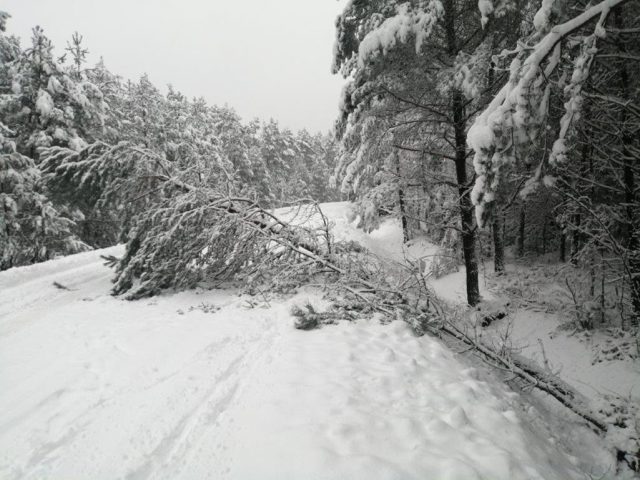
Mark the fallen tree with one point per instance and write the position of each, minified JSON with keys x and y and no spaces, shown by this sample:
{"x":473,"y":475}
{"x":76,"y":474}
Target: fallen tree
{"x":194,"y":234}
{"x":414,"y":302}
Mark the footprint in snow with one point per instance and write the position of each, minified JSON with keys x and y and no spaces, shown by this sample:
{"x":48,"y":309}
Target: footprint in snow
{"x":389,"y":355}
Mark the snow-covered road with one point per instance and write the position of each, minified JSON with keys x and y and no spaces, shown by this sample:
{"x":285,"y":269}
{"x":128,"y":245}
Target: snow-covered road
{"x":202,"y":385}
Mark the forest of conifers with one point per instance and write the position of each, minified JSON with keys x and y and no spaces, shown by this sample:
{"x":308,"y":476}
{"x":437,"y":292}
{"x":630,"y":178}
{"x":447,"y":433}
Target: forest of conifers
{"x":54,"y":107}
{"x":496,"y":129}
{"x":526,"y":113}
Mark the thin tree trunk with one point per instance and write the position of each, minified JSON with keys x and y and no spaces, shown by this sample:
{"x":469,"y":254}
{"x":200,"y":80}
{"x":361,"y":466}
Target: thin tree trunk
{"x":544,"y":236}
{"x":466,"y":207}
{"x":423,"y":182}
{"x":602,"y":289}
{"x":592,"y":278}
{"x":521,"y":228}
{"x":576,"y":238}
{"x":498,"y":241}
{"x":497,"y":226}
{"x":401,"y":201}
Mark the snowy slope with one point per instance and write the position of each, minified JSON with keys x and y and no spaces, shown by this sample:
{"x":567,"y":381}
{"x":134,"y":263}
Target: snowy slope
{"x":535,"y":334}
{"x":202,"y":384}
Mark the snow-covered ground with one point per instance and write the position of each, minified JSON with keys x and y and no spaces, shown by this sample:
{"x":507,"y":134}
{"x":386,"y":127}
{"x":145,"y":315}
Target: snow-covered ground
{"x":538,"y":335}
{"x":215,"y":384}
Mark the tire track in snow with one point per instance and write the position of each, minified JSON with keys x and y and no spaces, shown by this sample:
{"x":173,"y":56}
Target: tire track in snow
{"x":174,"y":449}
{"x":238,"y":356}
{"x":171,"y":444}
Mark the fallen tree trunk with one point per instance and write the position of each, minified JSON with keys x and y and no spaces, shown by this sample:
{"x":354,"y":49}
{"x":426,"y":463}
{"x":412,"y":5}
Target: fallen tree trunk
{"x":531,"y":373}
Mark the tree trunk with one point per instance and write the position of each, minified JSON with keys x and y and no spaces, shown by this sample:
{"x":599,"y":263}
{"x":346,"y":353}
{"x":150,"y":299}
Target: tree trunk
{"x":602,"y":289}
{"x":592,"y":278}
{"x":563,"y":246}
{"x":579,"y":240}
{"x":401,"y":202}
{"x":523,"y":220}
{"x":576,"y":243}
{"x":468,"y":232}
{"x":466,"y":207}
{"x":498,"y":241}
{"x":424,"y":215}
{"x":498,"y":223}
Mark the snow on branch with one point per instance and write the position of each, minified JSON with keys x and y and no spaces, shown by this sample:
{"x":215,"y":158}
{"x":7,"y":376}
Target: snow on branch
{"x":514,"y":116}
{"x":407,"y":23}
{"x":489,"y":8}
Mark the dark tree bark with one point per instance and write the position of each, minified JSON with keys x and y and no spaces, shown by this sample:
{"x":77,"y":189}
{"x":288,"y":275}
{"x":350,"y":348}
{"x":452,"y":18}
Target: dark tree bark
{"x":544,"y":235}
{"x":498,"y":241}
{"x":468,"y":231}
{"x":466,"y":207}
{"x":521,"y":228}
{"x":401,"y":202}
{"x":576,"y":239}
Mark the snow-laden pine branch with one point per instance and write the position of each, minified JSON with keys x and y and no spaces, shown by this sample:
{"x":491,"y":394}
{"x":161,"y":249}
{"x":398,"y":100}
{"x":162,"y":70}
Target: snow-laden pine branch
{"x":516,"y":113}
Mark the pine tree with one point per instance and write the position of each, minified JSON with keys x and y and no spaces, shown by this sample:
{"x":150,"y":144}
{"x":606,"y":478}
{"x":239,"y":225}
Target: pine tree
{"x":31,"y":228}
{"x":425,"y":66}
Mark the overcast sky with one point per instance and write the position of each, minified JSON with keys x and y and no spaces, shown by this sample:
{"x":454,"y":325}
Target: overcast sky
{"x":265,"y":58}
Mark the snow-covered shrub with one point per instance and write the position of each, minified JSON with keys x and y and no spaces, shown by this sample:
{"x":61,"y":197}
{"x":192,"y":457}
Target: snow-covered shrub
{"x":307,"y":318}
{"x":444,"y":262}
{"x":447,"y":259}
{"x":342,"y":309}
{"x":619,"y":345}
{"x":624,"y":414}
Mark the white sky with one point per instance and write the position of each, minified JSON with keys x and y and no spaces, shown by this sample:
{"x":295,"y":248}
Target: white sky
{"x":265,"y":58}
